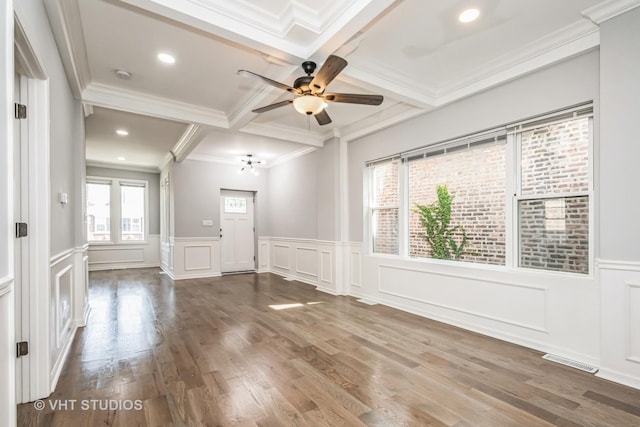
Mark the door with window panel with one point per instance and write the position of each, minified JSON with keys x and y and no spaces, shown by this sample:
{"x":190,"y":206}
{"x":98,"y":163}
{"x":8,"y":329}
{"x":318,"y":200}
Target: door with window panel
{"x":237,"y":232}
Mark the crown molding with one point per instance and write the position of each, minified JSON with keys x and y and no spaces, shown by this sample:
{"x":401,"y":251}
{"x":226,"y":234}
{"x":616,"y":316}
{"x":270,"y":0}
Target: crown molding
{"x":87,"y":109}
{"x":211,"y":159}
{"x":388,"y":82}
{"x":135,"y":168}
{"x":64,"y":18}
{"x":285,"y":133}
{"x":572,"y":40}
{"x":608,"y":9}
{"x":187,"y":142}
{"x":398,"y":113}
{"x":288,"y":157}
{"x":295,"y":33}
{"x":102,"y":95}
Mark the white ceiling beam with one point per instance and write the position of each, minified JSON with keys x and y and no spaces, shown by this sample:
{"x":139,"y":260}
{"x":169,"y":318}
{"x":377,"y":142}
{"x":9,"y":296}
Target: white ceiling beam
{"x":140,"y":103}
{"x":264,"y":95}
{"x":187,"y":142}
{"x":395,"y":87}
{"x":318,"y":33}
{"x":284,"y":133}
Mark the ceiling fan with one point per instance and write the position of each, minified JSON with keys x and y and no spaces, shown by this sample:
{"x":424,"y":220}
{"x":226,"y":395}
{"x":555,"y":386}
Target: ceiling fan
{"x":311,"y":98}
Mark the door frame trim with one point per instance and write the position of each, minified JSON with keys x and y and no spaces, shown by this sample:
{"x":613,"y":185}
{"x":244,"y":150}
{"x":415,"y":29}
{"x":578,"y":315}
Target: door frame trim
{"x":255,"y":229}
{"x":38,"y":146}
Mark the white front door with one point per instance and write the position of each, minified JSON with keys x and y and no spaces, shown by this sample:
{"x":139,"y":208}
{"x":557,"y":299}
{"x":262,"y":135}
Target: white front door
{"x":237,"y":231}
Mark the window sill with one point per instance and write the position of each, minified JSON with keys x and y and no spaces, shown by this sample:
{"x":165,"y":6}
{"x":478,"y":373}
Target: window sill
{"x":123,"y":243}
{"x":485,"y":267}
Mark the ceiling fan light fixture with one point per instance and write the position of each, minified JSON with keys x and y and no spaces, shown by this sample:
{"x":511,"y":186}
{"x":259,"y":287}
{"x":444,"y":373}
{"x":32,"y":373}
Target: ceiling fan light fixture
{"x":309,"y":105}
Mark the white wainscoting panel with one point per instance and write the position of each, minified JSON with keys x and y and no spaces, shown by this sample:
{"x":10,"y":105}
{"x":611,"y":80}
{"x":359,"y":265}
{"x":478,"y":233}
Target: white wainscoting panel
{"x":130,"y":255}
{"x":307,"y":261}
{"x":518,"y":305}
{"x":326,"y":267}
{"x":282,"y":257}
{"x":62,"y":305}
{"x":195,"y":257}
{"x":355,"y":260}
{"x":620,"y":321}
{"x":67,"y":308}
{"x":315,"y":262}
{"x":633,"y":321}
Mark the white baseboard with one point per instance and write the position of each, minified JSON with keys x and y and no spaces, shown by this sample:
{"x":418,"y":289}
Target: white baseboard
{"x":193,"y":276}
{"x":619,"y":377}
{"x":62,"y":358}
{"x":121,"y":266}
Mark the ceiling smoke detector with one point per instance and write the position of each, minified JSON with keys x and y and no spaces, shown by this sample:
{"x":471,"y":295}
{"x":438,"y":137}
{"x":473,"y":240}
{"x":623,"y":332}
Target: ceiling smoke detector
{"x":123,"y":74}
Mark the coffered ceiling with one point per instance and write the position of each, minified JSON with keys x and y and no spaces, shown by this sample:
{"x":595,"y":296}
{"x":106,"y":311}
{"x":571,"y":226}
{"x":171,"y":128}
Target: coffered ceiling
{"x":414,"y":52}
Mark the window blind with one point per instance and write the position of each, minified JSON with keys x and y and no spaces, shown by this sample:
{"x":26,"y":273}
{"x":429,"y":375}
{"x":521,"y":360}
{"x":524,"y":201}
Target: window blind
{"x":457,"y":144}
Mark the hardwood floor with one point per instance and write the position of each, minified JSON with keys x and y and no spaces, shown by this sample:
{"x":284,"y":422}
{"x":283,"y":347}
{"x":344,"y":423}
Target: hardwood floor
{"x":257,"y":350}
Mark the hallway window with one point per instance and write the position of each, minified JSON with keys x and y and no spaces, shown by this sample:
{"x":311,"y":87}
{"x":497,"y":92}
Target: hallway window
{"x":132,"y":198}
{"x":119,"y":205}
{"x":98,"y":211}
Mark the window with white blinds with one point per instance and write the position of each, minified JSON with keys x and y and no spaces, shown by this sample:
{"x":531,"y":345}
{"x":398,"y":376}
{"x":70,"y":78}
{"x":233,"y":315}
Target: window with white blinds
{"x":518,"y":195}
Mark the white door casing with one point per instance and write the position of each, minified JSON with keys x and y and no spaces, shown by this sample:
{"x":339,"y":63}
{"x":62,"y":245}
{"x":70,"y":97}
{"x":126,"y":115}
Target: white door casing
{"x":237,"y":233}
{"x":21,"y":245}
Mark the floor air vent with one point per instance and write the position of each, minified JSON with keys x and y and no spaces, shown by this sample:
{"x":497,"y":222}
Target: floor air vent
{"x":572,"y":363}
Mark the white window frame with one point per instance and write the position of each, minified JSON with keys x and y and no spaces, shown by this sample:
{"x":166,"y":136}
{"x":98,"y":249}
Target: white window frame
{"x":512,"y":197}
{"x":514,"y":139}
{"x":115,"y":207}
{"x":371,"y":207}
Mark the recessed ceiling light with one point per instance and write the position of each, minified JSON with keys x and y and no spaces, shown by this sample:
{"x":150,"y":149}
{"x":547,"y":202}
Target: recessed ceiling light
{"x":122,"y":132}
{"x":469,"y":15}
{"x":122,"y":158}
{"x":123,"y":74}
{"x":166,"y":58}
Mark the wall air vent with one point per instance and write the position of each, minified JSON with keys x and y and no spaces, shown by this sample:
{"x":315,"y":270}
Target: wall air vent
{"x":571,"y":363}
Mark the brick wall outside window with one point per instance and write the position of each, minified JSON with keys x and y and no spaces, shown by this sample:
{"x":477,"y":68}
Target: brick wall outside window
{"x":554,"y":233}
{"x":476,"y":181}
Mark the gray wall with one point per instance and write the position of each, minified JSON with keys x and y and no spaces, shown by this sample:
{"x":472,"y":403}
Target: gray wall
{"x":562,"y":85}
{"x":293,"y":201}
{"x":196,"y":196}
{"x":620,"y":145}
{"x":303,"y":196}
{"x":66,"y":151}
{"x":154,"y":190}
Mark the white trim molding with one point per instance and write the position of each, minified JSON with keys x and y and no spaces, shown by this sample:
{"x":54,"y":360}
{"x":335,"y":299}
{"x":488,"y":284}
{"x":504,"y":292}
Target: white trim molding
{"x":608,"y":9}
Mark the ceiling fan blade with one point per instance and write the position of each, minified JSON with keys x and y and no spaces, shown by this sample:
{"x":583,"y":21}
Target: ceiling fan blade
{"x":272,"y":106}
{"x":323,"y":118}
{"x":353,"y":98}
{"x":330,"y":69}
{"x":269,"y":81}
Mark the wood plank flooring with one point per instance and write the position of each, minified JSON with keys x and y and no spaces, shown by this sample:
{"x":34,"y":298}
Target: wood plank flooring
{"x":255,"y":350}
